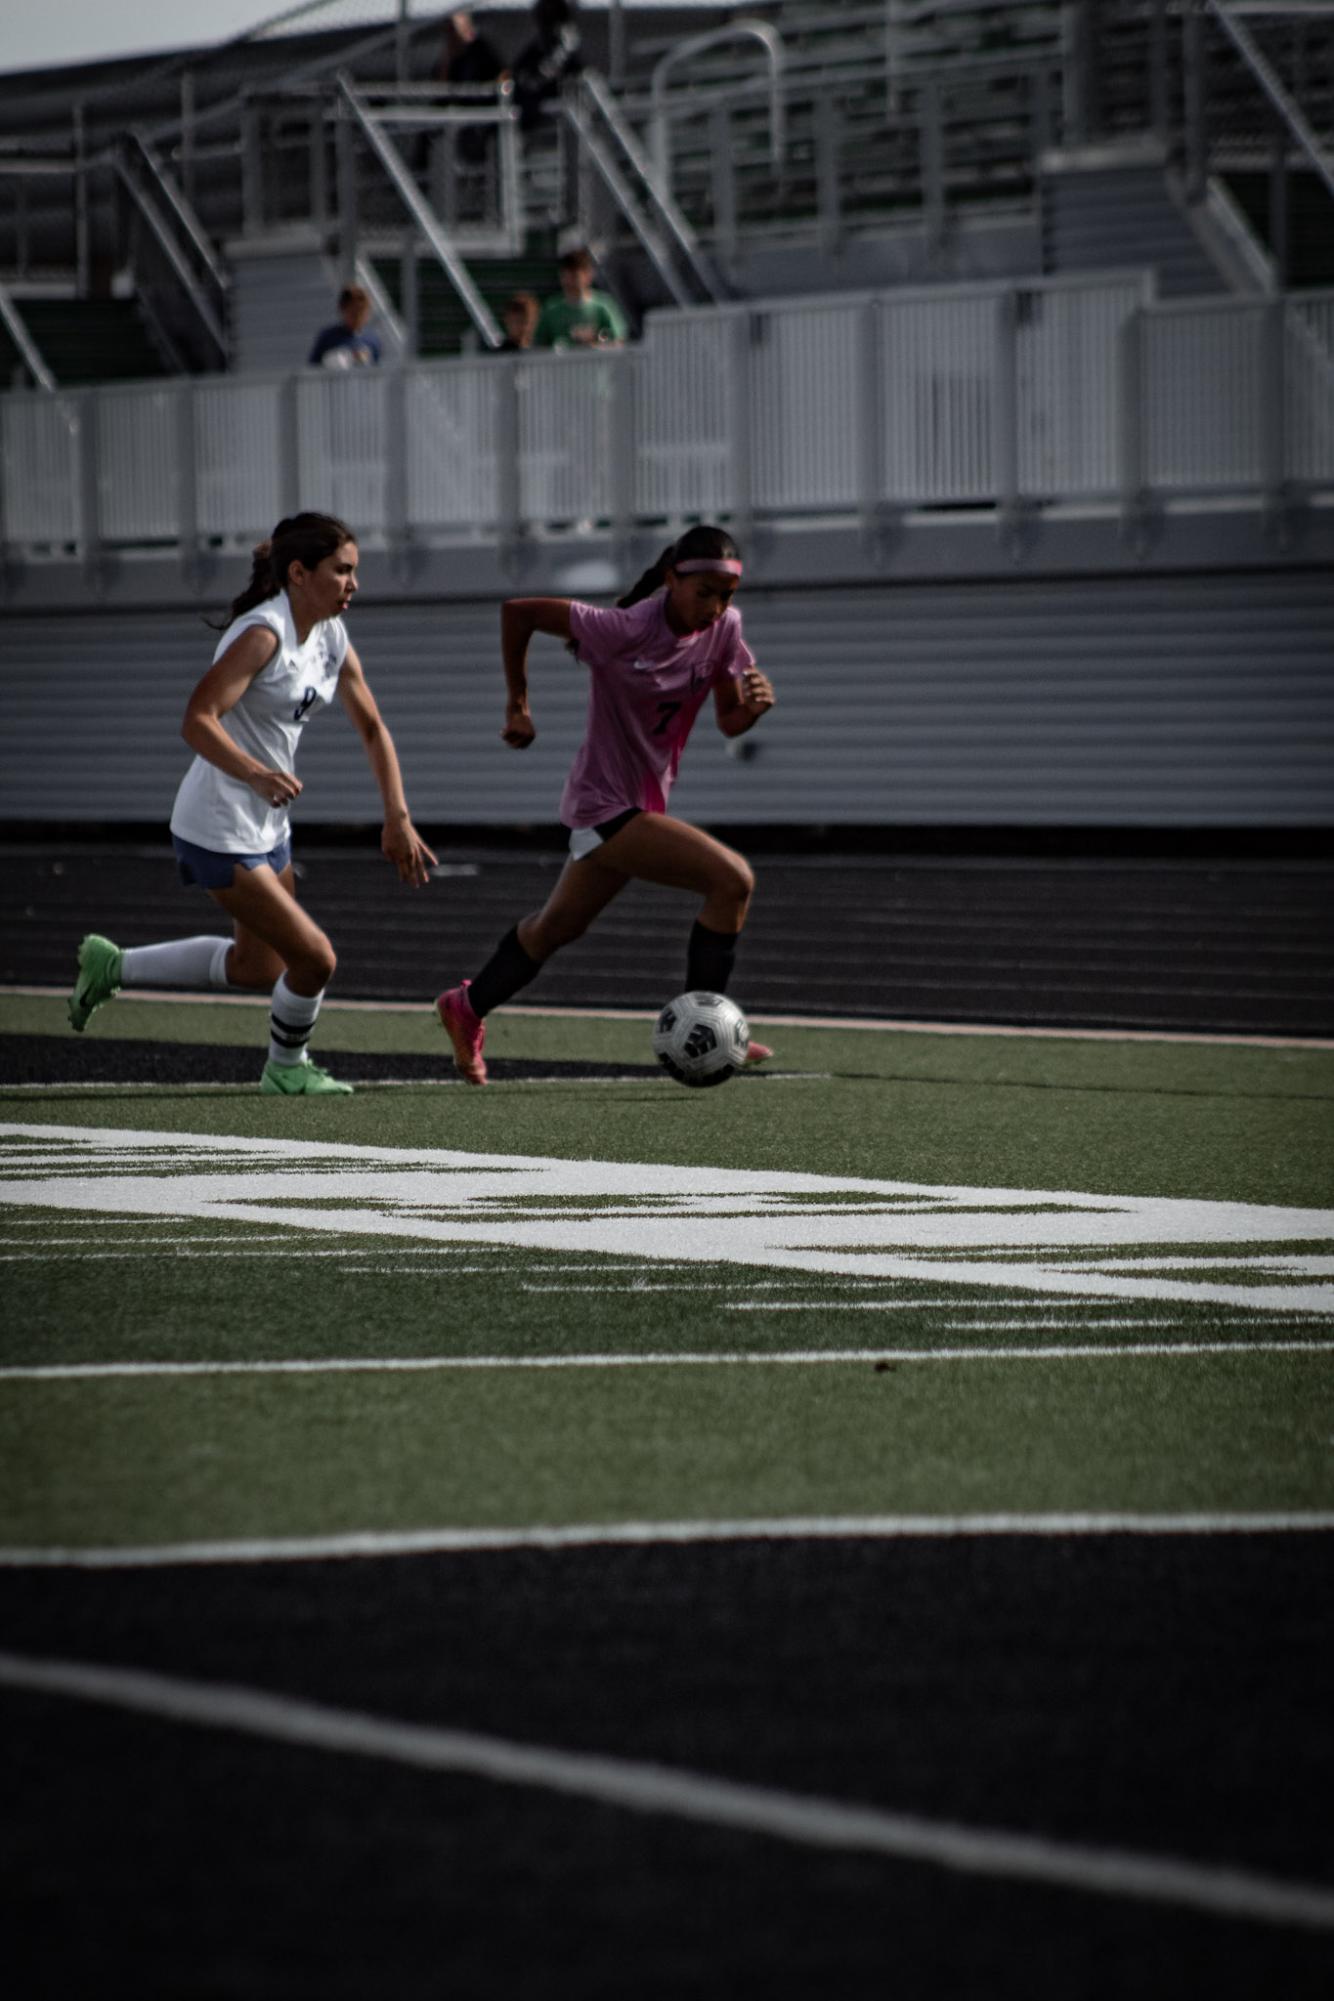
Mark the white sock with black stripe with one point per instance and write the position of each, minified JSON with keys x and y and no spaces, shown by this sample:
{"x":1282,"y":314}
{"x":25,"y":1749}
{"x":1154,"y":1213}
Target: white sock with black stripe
{"x":291,"y":1018}
{"x":181,"y":962}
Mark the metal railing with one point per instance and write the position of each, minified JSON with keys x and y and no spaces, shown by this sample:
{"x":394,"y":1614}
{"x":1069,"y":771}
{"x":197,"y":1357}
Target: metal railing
{"x":1290,"y":131}
{"x":643,"y":200}
{"x":180,"y":240}
{"x":24,"y":344}
{"x":424,"y":221}
{"x":694,"y":46}
{"x":1000,"y":397}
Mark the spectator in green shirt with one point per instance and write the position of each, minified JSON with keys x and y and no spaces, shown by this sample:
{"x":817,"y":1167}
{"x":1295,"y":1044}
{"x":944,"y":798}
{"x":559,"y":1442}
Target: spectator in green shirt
{"x":579,"y":316}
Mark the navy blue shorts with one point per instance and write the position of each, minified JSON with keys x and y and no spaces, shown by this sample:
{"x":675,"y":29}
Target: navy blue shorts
{"x":207,"y":869}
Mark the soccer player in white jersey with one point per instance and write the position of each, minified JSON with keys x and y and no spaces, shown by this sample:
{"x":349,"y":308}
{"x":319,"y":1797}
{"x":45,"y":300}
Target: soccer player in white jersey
{"x":283,"y":656}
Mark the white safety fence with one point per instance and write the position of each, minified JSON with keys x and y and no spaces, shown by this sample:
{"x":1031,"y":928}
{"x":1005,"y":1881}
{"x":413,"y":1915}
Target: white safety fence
{"x":990,"y":395}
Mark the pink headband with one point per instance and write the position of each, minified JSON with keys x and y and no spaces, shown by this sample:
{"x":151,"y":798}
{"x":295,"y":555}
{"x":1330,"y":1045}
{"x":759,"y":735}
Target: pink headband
{"x":723,"y":565}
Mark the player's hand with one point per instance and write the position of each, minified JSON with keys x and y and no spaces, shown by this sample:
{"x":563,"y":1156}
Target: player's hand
{"x":276,"y":788}
{"x":757,"y":693}
{"x":405,"y":848}
{"x":518,"y":732}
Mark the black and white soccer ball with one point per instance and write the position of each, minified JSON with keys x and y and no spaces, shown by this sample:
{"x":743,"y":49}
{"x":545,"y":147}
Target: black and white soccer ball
{"x":701,"y":1039}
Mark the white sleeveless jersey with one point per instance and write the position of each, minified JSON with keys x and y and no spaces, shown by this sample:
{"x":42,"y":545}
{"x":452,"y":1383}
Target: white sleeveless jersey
{"x":216,"y":811}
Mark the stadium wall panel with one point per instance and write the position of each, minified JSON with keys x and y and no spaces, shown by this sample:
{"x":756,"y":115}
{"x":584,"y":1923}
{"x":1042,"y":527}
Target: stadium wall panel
{"x":1174,"y":701}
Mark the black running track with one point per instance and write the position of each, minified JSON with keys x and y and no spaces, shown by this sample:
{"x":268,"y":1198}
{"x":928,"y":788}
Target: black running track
{"x":1156,"y":1696}
{"x":1130,"y":940}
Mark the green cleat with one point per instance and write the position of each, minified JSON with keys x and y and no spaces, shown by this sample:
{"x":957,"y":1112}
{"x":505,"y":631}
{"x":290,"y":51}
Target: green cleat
{"x":98,"y":981}
{"x":301,"y":1080}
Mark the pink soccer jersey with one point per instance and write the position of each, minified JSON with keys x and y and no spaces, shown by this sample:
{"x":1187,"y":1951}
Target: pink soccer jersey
{"x":646,"y":686}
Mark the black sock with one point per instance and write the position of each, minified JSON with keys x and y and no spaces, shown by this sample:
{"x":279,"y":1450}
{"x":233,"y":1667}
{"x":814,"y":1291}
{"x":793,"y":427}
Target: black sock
{"x":710,"y":959}
{"x":508,"y":969}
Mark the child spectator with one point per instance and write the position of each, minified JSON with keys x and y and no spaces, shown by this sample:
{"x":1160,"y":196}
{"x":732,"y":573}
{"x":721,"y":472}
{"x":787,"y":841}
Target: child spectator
{"x":578,"y":316}
{"x":346,"y":344}
{"x":519,"y":318}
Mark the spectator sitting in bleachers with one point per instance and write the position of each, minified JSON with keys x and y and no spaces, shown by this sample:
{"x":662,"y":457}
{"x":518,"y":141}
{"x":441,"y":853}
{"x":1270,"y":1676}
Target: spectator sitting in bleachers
{"x":519,"y":318}
{"x":347,"y":344}
{"x":578,"y":316}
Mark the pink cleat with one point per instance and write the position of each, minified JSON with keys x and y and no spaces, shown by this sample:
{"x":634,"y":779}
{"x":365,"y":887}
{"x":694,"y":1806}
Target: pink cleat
{"x":758,"y":1052}
{"x":466,"y":1030}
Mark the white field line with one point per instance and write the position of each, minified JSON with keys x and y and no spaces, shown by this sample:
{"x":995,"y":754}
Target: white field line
{"x":895,"y":1305}
{"x":82,"y":1087}
{"x":276,"y":1247}
{"x":638,"y":1787}
{"x":358,"y":1543}
{"x":779,"y":1358}
{"x":647,"y":1016}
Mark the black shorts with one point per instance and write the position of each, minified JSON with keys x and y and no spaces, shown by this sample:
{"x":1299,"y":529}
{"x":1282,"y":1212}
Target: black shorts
{"x":587,"y":840}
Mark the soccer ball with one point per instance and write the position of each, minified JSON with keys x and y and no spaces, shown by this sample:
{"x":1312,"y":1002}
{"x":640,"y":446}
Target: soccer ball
{"x":701,"y":1039}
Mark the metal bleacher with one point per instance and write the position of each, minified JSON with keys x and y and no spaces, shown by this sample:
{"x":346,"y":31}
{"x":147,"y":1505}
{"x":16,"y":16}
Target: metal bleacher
{"x":156,"y":210}
{"x":975,"y":322}
{"x":798,"y":130}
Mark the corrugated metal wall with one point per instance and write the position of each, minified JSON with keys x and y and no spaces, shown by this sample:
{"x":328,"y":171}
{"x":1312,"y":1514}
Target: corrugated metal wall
{"x":1122,"y":701}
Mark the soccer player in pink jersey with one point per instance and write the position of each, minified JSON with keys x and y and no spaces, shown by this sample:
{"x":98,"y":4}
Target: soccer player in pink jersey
{"x":673,"y":640}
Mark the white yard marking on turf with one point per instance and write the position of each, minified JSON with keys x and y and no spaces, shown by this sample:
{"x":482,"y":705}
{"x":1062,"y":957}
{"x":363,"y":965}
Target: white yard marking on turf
{"x":639,"y":1787}
{"x":912,"y":1232}
{"x":778,"y":1358}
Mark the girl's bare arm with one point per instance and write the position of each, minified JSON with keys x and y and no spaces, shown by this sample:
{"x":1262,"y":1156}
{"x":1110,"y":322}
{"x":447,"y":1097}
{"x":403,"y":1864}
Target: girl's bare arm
{"x":520,"y":618}
{"x":740,"y":704}
{"x":400,"y":841}
{"x":220,"y":690}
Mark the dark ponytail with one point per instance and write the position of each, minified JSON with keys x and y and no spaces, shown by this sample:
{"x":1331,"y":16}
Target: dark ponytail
{"x":696,"y":545}
{"x":300,"y":538}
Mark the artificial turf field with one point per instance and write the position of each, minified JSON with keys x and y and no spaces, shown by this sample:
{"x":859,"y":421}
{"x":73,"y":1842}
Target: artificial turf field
{"x":864,"y":1529}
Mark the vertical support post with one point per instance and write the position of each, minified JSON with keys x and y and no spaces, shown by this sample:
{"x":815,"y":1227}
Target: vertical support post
{"x":828,"y":206}
{"x":289,"y":445}
{"x":871,"y":433}
{"x":21,"y":230}
{"x":187,"y":478}
{"x":724,"y":183}
{"x":1273,"y":399}
{"x":1005,"y":411}
{"x":319,"y":170}
{"x":1195,"y":102}
{"x":581,"y":167}
{"x":660,"y":150}
{"x":743,"y":331}
{"x":616,"y":43}
{"x":1077,"y":37}
{"x":410,"y":295}
{"x":624,"y":456}
{"x":187,"y":146}
{"x":509,"y":486}
{"x":1130,"y":423}
{"x":252,"y":169}
{"x":88,"y":410}
{"x":1041,"y":135}
{"x":397,"y":525}
{"x":6,"y":508}
{"x":1279,"y":233}
{"x":893,"y":95}
{"x":511,"y":184}
{"x":82,"y":260}
{"x":402,"y":42}
{"x":933,"y":163}
{"x":1158,"y":72}
{"x":347,"y":193}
